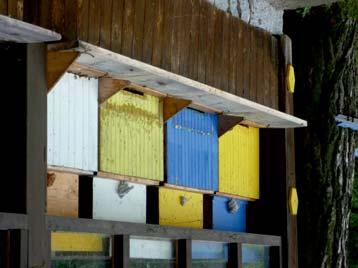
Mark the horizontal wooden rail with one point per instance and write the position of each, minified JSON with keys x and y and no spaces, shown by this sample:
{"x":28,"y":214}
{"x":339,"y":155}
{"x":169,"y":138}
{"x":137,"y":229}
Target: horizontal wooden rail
{"x":13,"y":221}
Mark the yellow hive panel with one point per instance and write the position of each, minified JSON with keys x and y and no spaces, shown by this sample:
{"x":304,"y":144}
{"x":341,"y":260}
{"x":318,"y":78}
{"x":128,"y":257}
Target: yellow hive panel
{"x":131,"y":135}
{"x":76,"y":242}
{"x":239,"y":162}
{"x":173,"y":213}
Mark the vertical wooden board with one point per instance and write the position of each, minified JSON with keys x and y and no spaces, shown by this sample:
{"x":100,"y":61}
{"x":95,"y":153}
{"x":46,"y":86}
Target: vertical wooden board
{"x":232,"y":85}
{"x":260,"y":82}
{"x":138,"y":38}
{"x":275,"y":74}
{"x":218,"y":49}
{"x":173,"y":213}
{"x":241,"y":54}
{"x":3,"y":7}
{"x":117,"y":25}
{"x":149,"y":21}
{"x":209,"y":71}
{"x":15,"y":9}
{"x":83,"y":19}
{"x":168,"y":23}
{"x":127,"y":33}
{"x":227,"y":31}
{"x":57,"y":13}
{"x":253,"y":65}
{"x":203,"y":41}
{"x":94,"y":22}
{"x":239,"y":162}
{"x":184,"y":37}
{"x":158,"y":34}
{"x":131,"y":135}
{"x":184,"y":253}
{"x":175,"y":41}
{"x":121,"y":251}
{"x":112,"y":202}
{"x":267,"y":69}
{"x":106,"y":24}
{"x":71,"y":15}
{"x":76,"y":242}
{"x":62,"y":195}
{"x":194,"y":40}
{"x":246,"y":38}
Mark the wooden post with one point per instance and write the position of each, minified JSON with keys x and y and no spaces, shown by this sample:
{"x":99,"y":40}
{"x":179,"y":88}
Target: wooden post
{"x":36,"y":160}
{"x":183,"y":253}
{"x":235,"y":255}
{"x":120,"y":251}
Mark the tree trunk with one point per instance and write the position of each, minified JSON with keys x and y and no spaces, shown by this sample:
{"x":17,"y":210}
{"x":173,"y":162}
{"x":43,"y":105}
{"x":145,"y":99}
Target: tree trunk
{"x":324,"y":43}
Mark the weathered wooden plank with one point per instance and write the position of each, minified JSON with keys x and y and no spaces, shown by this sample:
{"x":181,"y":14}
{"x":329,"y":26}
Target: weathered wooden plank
{"x":194,"y":40}
{"x":71,"y":14}
{"x":184,"y":37}
{"x":149,"y":21}
{"x":57,"y":14}
{"x":232,"y":64}
{"x":252,"y":65}
{"x":246,"y":63}
{"x":138,"y":39}
{"x":83,"y":19}
{"x":218,"y":50}
{"x":203,"y":45}
{"x":210,"y":50}
{"x":260,"y":82}
{"x":94,"y":22}
{"x":109,"y":227}
{"x":275,"y":73}
{"x":175,"y":41}
{"x":168,"y":22}
{"x":106,"y":24}
{"x":128,"y":29}
{"x":267,"y":69}
{"x":158,"y":34}
{"x":3,"y":7}
{"x":183,"y":253}
{"x":117,"y":25}
{"x":241,"y":53}
{"x":15,"y":9}
{"x":226,"y":30}
{"x":13,"y":221}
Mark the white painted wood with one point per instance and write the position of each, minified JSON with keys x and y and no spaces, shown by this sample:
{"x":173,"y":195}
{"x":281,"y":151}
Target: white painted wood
{"x":151,"y":248}
{"x":178,"y":86}
{"x":107,"y":204}
{"x":14,"y":30}
{"x":72,"y":123}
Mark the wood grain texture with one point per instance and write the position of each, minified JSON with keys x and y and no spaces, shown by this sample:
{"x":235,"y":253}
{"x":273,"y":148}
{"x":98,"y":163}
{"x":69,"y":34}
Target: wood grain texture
{"x":158,"y":33}
{"x":128,"y":23}
{"x":62,"y":195}
{"x":94,"y":22}
{"x":117,"y":23}
{"x":83,"y":19}
{"x":106,"y":24}
{"x":138,"y":39}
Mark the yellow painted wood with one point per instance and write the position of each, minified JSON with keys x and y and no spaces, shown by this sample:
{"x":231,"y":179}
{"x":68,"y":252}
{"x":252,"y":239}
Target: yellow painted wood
{"x":131,"y":135}
{"x":173,"y":213}
{"x":290,"y":78}
{"x":76,"y":242}
{"x":239,"y":162}
{"x":293,"y":201}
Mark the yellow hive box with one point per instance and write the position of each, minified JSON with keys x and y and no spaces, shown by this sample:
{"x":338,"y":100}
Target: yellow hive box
{"x":76,"y":242}
{"x":239,"y":162}
{"x":180,"y":208}
{"x":131,"y":135}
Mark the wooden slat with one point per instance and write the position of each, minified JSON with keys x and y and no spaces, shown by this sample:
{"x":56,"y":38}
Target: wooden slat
{"x":57,"y":13}
{"x":86,"y":71}
{"x":241,"y":54}
{"x":168,"y":22}
{"x":194,"y":40}
{"x":94,"y":21}
{"x":275,"y":73}
{"x":3,"y":7}
{"x":13,"y":221}
{"x":128,"y":29}
{"x":203,"y":44}
{"x":183,"y":253}
{"x":232,"y":68}
{"x":210,"y":49}
{"x":108,"y":87}
{"x":184,"y":37}
{"x":149,"y":19}
{"x":246,"y":38}
{"x":175,"y":40}
{"x":16,"y":8}
{"x":57,"y":64}
{"x":106,"y":24}
{"x":187,"y":189}
{"x":260,"y":83}
{"x":158,"y":34}
{"x":117,"y":25}
{"x":266,"y":69}
{"x":138,"y":39}
{"x":172,"y":106}
{"x":83,"y":19}
{"x":252,"y":66}
{"x":218,"y":50}
{"x":227,"y":31}
{"x":126,"y":178}
{"x":71,"y":14}
{"x":110,"y":227}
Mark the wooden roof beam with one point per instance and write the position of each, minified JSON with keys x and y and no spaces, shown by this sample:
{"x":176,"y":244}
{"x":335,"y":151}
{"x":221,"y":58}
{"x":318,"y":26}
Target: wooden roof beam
{"x":172,"y":106}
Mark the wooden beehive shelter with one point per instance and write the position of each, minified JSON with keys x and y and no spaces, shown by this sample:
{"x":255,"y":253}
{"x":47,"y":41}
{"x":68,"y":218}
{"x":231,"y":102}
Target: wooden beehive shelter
{"x":130,"y":132}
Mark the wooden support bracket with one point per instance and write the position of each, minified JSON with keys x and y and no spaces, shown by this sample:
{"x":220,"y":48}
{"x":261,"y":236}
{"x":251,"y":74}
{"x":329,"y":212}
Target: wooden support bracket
{"x":109,"y":86}
{"x":227,"y":122}
{"x":57,"y":64}
{"x":172,"y":106}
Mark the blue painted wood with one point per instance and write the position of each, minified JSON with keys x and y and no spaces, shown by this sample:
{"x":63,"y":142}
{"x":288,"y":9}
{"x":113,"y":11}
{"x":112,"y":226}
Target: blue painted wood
{"x":226,"y":221}
{"x":192,"y":150}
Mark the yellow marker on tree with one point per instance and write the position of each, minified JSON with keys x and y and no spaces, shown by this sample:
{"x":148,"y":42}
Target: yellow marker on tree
{"x":290,"y":78}
{"x":293,"y":201}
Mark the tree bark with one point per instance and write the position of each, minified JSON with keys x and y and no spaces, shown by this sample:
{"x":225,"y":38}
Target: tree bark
{"x":324,"y":43}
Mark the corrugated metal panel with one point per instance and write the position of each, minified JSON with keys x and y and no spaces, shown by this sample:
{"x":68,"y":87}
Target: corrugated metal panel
{"x":108,"y":205}
{"x":131,"y":135}
{"x":173,"y":213}
{"x":76,"y":242}
{"x":239,"y":162}
{"x":192,"y":150}
{"x":226,"y":221}
{"x":72,"y":123}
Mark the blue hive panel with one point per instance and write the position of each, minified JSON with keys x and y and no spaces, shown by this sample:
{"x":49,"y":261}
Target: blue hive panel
{"x":192,"y":150}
